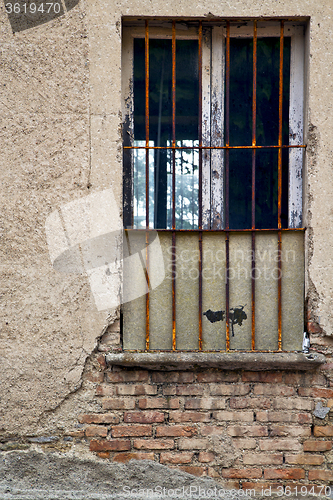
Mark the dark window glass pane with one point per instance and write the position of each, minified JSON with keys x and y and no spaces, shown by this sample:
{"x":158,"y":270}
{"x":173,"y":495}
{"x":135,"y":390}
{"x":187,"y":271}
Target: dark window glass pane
{"x":267,"y":132}
{"x":160,"y":133}
{"x":240,"y":125}
{"x":268,"y":64}
{"x":240,"y":193}
{"x":187,"y":90}
{"x":266,"y":189}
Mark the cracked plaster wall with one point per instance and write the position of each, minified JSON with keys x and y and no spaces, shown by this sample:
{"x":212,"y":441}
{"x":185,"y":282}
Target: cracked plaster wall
{"x":60,"y":130}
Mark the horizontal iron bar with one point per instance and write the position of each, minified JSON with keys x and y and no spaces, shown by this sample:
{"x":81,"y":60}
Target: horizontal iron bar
{"x":216,"y":147}
{"x":204,"y":351}
{"x":216,"y":230}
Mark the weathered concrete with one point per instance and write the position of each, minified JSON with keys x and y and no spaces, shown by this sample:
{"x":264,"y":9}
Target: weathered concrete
{"x":35,"y":476}
{"x":254,"y":361}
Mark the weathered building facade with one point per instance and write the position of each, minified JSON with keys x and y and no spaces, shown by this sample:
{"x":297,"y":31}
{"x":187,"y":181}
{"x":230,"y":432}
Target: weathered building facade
{"x":247,"y":419}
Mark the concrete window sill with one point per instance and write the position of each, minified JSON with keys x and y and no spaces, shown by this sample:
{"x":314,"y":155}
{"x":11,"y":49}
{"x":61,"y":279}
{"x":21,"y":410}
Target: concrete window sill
{"x":254,"y":361}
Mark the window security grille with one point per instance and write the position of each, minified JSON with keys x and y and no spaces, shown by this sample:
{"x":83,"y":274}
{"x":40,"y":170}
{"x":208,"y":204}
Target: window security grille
{"x":213,"y":152}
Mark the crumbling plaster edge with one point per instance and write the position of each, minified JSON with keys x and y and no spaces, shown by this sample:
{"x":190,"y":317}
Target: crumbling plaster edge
{"x":254,"y":361}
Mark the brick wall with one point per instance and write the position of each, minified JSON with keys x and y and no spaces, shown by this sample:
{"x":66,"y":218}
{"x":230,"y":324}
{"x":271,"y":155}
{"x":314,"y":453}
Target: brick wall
{"x":245,"y":429}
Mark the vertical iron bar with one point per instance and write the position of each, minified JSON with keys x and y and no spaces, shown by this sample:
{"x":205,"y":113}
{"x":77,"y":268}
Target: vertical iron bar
{"x":227,"y":135}
{"x":253,"y":207}
{"x":280,"y":189}
{"x":173,"y":185}
{"x":147,"y":172}
{"x":200,"y":182}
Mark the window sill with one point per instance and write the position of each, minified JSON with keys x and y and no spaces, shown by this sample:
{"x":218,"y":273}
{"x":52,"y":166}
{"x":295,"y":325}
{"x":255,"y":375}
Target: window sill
{"x":254,"y":361}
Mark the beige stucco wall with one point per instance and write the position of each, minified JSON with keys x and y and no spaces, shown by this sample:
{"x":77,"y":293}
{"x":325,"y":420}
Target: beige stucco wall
{"x":61,"y":141}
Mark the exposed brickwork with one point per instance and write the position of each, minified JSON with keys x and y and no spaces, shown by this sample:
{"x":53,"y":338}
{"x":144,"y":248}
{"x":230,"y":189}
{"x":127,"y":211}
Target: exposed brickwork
{"x":262,"y":421}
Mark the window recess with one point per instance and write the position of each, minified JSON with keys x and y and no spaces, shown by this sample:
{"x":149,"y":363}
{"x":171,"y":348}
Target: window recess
{"x":213,"y":154}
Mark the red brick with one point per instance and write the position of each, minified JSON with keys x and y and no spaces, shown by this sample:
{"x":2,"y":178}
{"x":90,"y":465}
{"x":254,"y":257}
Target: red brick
{"x":263,"y":459}
{"x":259,"y":486}
{"x":96,"y":430}
{"x":118,"y":404}
{"x":273,"y":390}
{"x":206,"y":457}
{"x":96,"y":377}
{"x":313,"y":327}
{"x":125,"y":457}
{"x":304,"y":418}
{"x":135,"y":389}
{"x":114,"y":445}
{"x":158,"y":403}
{"x":315,"y":392}
{"x":266,"y":377}
{"x":175,"y":431}
{"x":229,"y":484}
{"x":189,"y":390}
{"x":222,"y":376}
{"x":304,"y":459}
{"x":168,"y":457}
{"x":290,"y":431}
{"x":279,"y":444}
{"x":192,"y":444}
{"x":247,"y":431}
{"x":154,"y":444}
{"x":127,"y":376}
{"x":104,"y":454}
{"x":229,"y":389}
{"x":283,"y":416}
{"x":234,"y":416}
{"x":320,"y":475}
{"x":189,"y":416}
{"x":292,"y":404}
{"x":214,"y":472}
{"x":317,"y":445}
{"x":245,"y":444}
{"x":323,"y":430}
{"x":305,"y":379}
{"x":208,"y":430}
{"x":172,"y":377}
{"x":143,"y":417}
{"x":205,"y":404}
{"x":131,"y":430}
{"x":237,"y":403}
{"x":195,"y":470}
{"x":99,"y":418}
{"x":327,"y":366}
{"x":242,"y":473}
{"x":284,"y":474}
{"x":169,"y":390}
{"x":101,"y":360}
{"x":104,"y":390}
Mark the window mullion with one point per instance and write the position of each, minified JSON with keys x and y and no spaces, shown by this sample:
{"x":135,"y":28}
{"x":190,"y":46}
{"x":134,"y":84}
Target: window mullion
{"x":296,"y":130}
{"x":206,"y":130}
{"x":217,"y":129}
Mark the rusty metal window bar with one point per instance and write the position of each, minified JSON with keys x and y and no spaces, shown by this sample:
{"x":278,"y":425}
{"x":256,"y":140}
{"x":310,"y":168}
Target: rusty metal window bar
{"x":212,"y":213}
